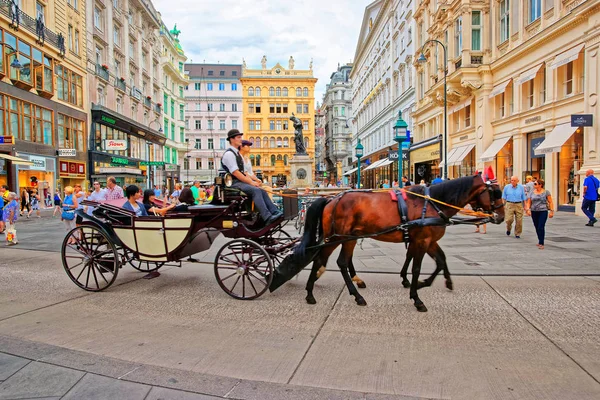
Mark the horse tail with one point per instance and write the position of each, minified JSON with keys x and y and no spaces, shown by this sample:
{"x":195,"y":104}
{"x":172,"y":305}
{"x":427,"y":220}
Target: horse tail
{"x":312,"y":226}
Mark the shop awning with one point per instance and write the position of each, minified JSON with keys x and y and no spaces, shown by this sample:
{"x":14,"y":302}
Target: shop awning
{"x":462,"y":105}
{"x":375,"y":164}
{"x":498,"y":89}
{"x":554,"y":141}
{"x":353,"y":170}
{"x":16,"y":160}
{"x":459,"y":154}
{"x":387,"y":162}
{"x":450,"y":156}
{"x":529,"y":74}
{"x":567,"y":56}
{"x":490,"y":153}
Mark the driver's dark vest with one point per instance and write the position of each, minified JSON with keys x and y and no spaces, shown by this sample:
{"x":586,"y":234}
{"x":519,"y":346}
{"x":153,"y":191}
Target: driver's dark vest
{"x":238,"y":159}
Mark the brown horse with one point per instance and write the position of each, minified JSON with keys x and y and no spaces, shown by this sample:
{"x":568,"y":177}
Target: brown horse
{"x":357,"y":214}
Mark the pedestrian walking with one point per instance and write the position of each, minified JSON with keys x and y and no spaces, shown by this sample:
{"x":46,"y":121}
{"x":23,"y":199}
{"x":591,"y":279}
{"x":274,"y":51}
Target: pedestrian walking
{"x":35,"y":204}
{"x":590,"y":196}
{"x":98,"y":194}
{"x":69,"y":206}
{"x":174,"y":197}
{"x":113,"y":191}
{"x":9,"y":218}
{"x":57,"y":204}
{"x":540,"y":207}
{"x":528,"y":185}
{"x":406,"y":181}
{"x":25,"y":202}
{"x":4,"y":193}
{"x":514,"y":197}
{"x":438,"y":179}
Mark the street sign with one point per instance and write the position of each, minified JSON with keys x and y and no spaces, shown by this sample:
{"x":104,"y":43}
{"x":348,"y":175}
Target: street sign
{"x":7,"y":140}
{"x":578,"y":120}
{"x":67,"y":152}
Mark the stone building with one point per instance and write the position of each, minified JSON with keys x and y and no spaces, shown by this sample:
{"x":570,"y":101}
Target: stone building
{"x":213,"y":100}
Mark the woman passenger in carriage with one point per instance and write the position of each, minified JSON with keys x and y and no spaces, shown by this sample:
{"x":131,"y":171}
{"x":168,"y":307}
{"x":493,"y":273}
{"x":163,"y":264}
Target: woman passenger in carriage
{"x":149,"y":196}
{"x":133,"y":194}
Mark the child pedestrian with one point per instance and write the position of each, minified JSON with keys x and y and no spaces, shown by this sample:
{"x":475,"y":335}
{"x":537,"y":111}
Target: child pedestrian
{"x":9,"y":217}
{"x":35,"y":204}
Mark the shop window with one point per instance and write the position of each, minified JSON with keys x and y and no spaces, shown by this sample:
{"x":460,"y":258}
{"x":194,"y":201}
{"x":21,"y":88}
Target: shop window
{"x":70,"y":133}
{"x":69,"y":86}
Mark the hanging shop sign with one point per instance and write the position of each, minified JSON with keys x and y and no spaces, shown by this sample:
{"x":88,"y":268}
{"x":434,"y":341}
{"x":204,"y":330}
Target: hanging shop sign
{"x":153,"y":163}
{"x":579,"y":120}
{"x":67,"y":152}
{"x":7,"y":140}
{"x":113,"y":144}
{"x":71,"y":169}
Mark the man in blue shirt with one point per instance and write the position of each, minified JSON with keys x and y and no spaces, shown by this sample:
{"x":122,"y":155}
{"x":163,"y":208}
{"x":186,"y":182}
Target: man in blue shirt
{"x":514,"y":196}
{"x":437,"y":180}
{"x":590,"y":196}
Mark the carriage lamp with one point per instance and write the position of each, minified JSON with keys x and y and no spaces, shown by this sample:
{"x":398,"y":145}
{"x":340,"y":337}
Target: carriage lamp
{"x":359,"y":153}
{"x":400,"y":130}
{"x":228,"y":180}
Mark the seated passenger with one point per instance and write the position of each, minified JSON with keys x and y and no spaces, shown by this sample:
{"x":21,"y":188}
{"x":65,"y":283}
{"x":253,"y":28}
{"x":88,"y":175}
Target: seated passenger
{"x":149,"y":197}
{"x":133,"y":194}
{"x":233,"y":163}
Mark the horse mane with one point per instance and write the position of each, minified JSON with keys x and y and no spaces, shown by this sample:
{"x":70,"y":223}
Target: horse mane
{"x":454,"y":191}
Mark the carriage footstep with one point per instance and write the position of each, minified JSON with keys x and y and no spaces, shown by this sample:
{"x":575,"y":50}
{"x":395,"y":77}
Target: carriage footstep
{"x":152,"y":275}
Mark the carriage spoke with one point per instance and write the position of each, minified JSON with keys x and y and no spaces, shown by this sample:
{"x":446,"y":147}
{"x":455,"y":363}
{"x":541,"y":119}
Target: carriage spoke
{"x":253,"y":288}
{"x":257,"y":277}
{"x":100,"y":272}
{"x":229,"y":276}
{"x":77,"y":265}
{"x":80,"y":272}
{"x":87,"y":279}
{"x":243,"y":285}
{"x":95,"y":277}
{"x":235,"y":284}
{"x":226,"y":267}
{"x":225,"y":258}
{"x":77,"y":250}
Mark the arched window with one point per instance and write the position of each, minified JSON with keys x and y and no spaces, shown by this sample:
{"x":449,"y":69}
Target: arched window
{"x":278,"y":91}
{"x":286,"y":142}
{"x":273,"y":160}
{"x":271,"y":91}
{"x":306,"y":143}
{"x":298,"y":92}
{"x":279,"y":142}
{"x":305,"y":92}
{"x":257,"y":91}
{"x":252,"y":160}
{"x":250,"y":91}
{"x":285,"y":91}
{"x":273,"y":142}
{"x":258,"y":160}
{"x":285,"y":160}
{"x":279,"y":157}
{"x":251,"y":140}
{"x":266,"y":143}
{"x":257,"y":143}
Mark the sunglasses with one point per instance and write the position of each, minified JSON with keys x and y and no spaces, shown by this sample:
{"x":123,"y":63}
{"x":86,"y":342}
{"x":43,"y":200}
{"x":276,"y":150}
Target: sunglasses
{"x":535,"y":184}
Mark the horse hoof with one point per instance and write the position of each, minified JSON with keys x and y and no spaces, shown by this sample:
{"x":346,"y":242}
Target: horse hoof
{"x":449,"y":285}
{"x":406,"y":284}
{"x":422,"y":284}
{"x":361,"y":285}
{"x":361,"y":302}
{"x":421,"y":307}
{"x":311,"y":300}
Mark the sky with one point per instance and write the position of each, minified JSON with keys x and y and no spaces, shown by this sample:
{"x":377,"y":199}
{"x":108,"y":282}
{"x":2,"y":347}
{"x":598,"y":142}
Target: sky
{"x":226,"y":31}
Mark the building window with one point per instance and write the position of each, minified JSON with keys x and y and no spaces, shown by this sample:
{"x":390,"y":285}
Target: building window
{"x":209,"y":86}
{"x":97,"y":18}
{"x":116,"y":4}
{"x":285,"y":92}
{"x":222,"y":107}
{"x":305,"y":92}
{"x":251,"y":125}
{"x":278,"y":125}
{"x":211,"y":163}
{"x":272,"y":125}
{"x":299,"y":108}
{"x":198,"y":108}
{"x":251,"y":108}
{"x":250,"y":91}
{"x":278,"y":92}
{"x":198,"y":163}
{"x":271,"y":91}
{"x":26,"y":121}
{"x":530,"y":88}
{"x":120,"y":105}
{"x":210,"y":106}
{"x":467,"y":116}
{"x":234,"y":107}
{"x":234,"y":124}
{"x":476,"y":30}
{"x":221,"y":73}
{"x":69,"y":86}
{"x":211,"y":145}
{"x":211,"y":73}
{"x":70,"y":38}
{"x":198,"y":124}
{"x":197,"y":86}
{"x":221,"y":86}
{"x":181,"y":112}
{"x":257,"y":107}
{"x":222,"y":143}
{"x":70,"y":133}
{"x":234,"y":87}
{"x":186,"y":163}
{"x":117,"y":36}
{"x":132,"y":50}
{"x":198,"y":144}
{"x":306,"y":109}
{"x":298,"y":92}
{"x":222,"y":124}
{"x":502,"y":106}
{"x":569,"y":79}
{"x":210,"y":125}
{"x":535,"y":10}
{"x":233,"y":73}
{"x":458,"y":37}
{"x":257,"y":91}
{"x":305,"y":125}
{"x":504,"y":21}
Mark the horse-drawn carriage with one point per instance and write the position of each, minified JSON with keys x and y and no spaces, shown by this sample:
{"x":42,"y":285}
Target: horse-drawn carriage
{"x":94,"y":251}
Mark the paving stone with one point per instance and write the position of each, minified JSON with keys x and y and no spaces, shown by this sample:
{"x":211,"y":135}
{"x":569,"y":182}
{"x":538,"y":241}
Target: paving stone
{"x":10,"y":364}
{"x":96,"y":387}
{"x":248,"y":390}
{"x":158,"y":393}
{"x":39,"y":380}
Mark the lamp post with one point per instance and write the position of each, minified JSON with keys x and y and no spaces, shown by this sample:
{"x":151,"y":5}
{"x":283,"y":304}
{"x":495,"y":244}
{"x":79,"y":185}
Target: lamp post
{"x":160,"y":130}
{"x":400,"y":130}
{"x":422,"y":60}
{"x":359,"y":153}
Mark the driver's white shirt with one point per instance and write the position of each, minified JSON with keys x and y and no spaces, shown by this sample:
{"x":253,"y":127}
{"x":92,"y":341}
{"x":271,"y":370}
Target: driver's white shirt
{"x":229,"y":160}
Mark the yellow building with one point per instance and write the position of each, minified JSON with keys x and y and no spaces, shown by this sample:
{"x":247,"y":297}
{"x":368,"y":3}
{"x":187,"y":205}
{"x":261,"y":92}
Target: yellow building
{"x":270,"y":97}
{"x":43,"y":105}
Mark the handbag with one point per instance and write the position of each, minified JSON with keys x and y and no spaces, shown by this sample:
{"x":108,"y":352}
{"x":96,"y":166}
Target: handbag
{"x":68,"y":215}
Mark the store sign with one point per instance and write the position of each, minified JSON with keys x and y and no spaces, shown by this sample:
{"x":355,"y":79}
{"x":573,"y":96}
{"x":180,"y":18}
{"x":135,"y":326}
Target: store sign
{"x":118,"y":145}
{"x":535,"y":142}
{"x":39,"y":163}
{"x":152,"y":163}
{"x":427,"y":153}
{"x":578,"y":120}
{"x":67,"y":152}
{"x":393,"y":155}
{"x":120,"y":170}
{"x":119,"y":161}
{"x":170,"y":167}
{"x":71,"y":168}
{"x":108,"y":120}
{"x":7,"y":140}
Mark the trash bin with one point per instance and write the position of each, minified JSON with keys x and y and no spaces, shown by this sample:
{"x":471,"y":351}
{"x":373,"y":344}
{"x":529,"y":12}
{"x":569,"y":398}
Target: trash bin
{"x":290,"y":204}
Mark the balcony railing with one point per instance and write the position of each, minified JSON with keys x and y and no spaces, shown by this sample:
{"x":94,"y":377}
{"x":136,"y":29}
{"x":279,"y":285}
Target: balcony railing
{"x":148,"y":102}
{"x":102,"y":72}
{"x":119,"y":84}
{"x":36,"y":26}
{"x":157,"y":108}
{"x":476,"y":60}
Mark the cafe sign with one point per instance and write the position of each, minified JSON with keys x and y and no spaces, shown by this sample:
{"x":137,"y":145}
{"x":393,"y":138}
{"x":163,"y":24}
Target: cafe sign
{"x":115,"y":145}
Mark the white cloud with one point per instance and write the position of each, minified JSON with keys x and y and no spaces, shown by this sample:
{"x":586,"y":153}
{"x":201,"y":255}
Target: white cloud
{"x":226,"y":31}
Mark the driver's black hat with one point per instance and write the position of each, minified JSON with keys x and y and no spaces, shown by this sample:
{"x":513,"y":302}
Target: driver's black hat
{"x":233,"y":133}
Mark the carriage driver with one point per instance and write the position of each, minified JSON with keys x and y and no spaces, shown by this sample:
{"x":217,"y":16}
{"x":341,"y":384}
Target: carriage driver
{"x":233,"y":163}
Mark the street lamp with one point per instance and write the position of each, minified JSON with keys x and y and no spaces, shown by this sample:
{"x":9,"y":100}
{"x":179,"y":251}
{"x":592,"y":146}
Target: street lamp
{"x":400,"y":131}
{"x":422,"y":60}
{"x":359,"y":153}
{"x":160,"y":130}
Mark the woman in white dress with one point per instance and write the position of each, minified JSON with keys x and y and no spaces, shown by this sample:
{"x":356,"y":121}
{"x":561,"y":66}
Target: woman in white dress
{"x":245,"y":153}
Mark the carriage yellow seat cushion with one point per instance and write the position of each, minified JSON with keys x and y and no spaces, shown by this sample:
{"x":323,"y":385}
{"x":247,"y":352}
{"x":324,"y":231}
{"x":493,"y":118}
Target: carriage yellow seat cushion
{"x":155,"y":237}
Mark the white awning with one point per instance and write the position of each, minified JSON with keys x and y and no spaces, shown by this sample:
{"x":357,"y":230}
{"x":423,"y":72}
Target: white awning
{"x":459,"y":155}
{"x":567,"y":56}
{"x":499,"y":89}
{"x":353,"y":170}
{"x":450,"y":156}
{"x":528,"y":75}
{"x":387,"y":162}
{"x":494,"y":149}
{"x":375,"y":164}
{"x":462,"y":105}
{"x":554,"y":141}
{"x":16,"y":160}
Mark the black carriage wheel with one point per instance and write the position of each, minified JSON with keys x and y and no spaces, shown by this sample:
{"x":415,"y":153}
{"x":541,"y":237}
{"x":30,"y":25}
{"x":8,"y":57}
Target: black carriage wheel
{"x":243,"y":269}
{"x":89,"y":258}
{"x":281,"y":237}
{"x":145,"y":266}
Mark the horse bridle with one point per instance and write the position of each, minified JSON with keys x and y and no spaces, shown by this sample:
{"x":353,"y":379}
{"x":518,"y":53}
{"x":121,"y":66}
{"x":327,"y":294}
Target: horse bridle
{"x":494,"y":194}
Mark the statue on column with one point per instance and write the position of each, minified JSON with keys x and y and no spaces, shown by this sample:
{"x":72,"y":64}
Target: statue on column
{"x":298,"y":137}
{"x":264,"y":62}
{"x":243,"y":64}
{"x":291,"y":63}
{"x":310,"y":65}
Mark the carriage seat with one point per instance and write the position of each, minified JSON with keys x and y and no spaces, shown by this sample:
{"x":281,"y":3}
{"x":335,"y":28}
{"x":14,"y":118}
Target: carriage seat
{"x":207,"y":207}
{"x":231,"y":191}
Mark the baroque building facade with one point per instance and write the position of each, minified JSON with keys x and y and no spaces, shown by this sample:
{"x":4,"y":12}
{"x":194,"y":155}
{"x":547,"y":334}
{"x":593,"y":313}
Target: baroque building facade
{"x":270,"y":97}
{"x":516,"y":76}
{"x":213,"y":100}
{"x":382,"y":84}
{"x":43,"y":101}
